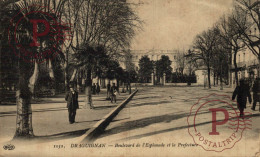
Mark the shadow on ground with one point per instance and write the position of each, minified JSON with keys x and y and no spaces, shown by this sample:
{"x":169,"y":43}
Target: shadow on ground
{"x":172,"y":129}
{"x":61,"y":136}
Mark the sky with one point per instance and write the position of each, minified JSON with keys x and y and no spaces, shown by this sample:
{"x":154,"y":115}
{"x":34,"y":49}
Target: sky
{"x":173,"y":24}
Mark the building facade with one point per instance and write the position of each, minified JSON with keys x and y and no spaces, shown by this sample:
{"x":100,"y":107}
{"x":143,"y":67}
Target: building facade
{"x":247,"y":65}
{"x":247,"y":62}
{"x":154,"y":55}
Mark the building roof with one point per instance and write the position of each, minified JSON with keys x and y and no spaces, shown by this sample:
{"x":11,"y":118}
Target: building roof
{"x":153,"y":52}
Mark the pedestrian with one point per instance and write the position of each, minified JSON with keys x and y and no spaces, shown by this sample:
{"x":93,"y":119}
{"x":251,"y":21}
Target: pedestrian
{"x":242,"y":92}
{"x":94,"y":89}
{"x":256,"y":93}
{"x":108,"y":90}
{"x":98,"y":89}
{"x":72,"y":103}
{"x":113,"y":93}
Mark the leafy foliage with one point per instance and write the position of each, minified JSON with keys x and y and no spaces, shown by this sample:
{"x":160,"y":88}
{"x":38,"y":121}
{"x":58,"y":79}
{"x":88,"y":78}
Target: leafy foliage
{"x":163,"y":66}
{"x":145,"y":69}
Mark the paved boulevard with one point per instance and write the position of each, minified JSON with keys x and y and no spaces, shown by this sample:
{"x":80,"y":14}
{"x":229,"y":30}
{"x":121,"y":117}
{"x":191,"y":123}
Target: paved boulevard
{"x":159,"y":115}
{"x":155,"y":116}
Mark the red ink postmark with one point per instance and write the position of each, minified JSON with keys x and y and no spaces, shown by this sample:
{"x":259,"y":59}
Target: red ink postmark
{"x":215,"y":123}
{"x":36,"y":34}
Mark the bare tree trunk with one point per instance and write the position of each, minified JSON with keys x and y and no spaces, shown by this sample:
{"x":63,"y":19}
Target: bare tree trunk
{"x":1,"y":83}
{"x":214,"y":78}
{"x":51,"y":74}
{"x":217,"y":79}
{"x":88,"y":100}
{"x":34,"y":78}
{"x":78,"y":83}
{"x":235,"y":64}
{"x":66,"y":83}
{"x":258,"y":70}
{"x":73,"y":75}
{"x":23,"y":101}
{"x":130,"y":90}
{"x":209,"y":75}
{"x":83,"y":81}
{"x":123,"y":89}
{"x":24,"y":116}
{"x":221,"y":78}
{"x":117,"y":84}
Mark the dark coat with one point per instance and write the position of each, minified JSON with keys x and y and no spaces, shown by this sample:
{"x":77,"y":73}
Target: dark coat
{"x":98,"y":88}
{"x":256,"y":90}
{"x":108,"y":87}
{"x":242,"y":92}
{"x":72,"y":100}
{"x":94,"y":89}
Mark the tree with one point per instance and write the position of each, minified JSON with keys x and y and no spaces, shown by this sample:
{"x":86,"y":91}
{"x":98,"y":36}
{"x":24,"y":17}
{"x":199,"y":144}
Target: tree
{"x":5,"y":17}
{"x":163,"y":66}
{"x":109,"y":24}
{"x":180,"y":62}
{"x":251,"y":12}
{"x":230,"y":31}
{"x":145,"y":69}
{"x":87,"y":59}
{"x":203,"y":48}
{"x":221,"y":62}
{"x":127,"y":57}
{"x":29,"y":64}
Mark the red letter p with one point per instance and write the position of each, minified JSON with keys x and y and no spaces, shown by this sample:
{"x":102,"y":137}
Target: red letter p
{"x":35,"y":32}
{"x":214,"y":120}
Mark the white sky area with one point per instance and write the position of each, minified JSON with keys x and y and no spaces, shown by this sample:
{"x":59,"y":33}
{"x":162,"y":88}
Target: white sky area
{"x":173,"y":24}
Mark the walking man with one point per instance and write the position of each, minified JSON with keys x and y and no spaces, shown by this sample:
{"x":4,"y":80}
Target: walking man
{"x":113,"y":93}
{"x":72,"y":103}
{"x":108,"y":90}
{"x":256,"y":93}
{"x":242,"y":92}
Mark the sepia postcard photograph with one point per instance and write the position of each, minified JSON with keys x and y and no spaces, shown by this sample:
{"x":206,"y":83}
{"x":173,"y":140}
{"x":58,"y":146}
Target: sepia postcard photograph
{"x":130,"y":78}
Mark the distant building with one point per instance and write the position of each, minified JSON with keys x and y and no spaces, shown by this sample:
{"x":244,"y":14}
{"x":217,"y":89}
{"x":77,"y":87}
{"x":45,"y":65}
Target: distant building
{"x":154,"y":55}
{"x":202,"y":76}
{"x":247,"y":62}
{"x":247,"y":65}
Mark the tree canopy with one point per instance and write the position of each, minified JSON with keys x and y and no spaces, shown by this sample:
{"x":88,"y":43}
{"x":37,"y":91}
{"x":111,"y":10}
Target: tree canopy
{"x":145,"y":69}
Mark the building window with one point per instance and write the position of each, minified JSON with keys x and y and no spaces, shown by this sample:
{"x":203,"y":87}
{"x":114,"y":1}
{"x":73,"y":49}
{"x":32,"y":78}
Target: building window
{"x":244,"y":57}
{"x":238,"y":58}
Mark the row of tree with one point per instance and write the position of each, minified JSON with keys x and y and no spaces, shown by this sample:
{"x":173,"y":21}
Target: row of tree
{"x":215,"y":47}
{"x":99,"y":32}
{"x":147,"y":67}
{"x":183,"y":72}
